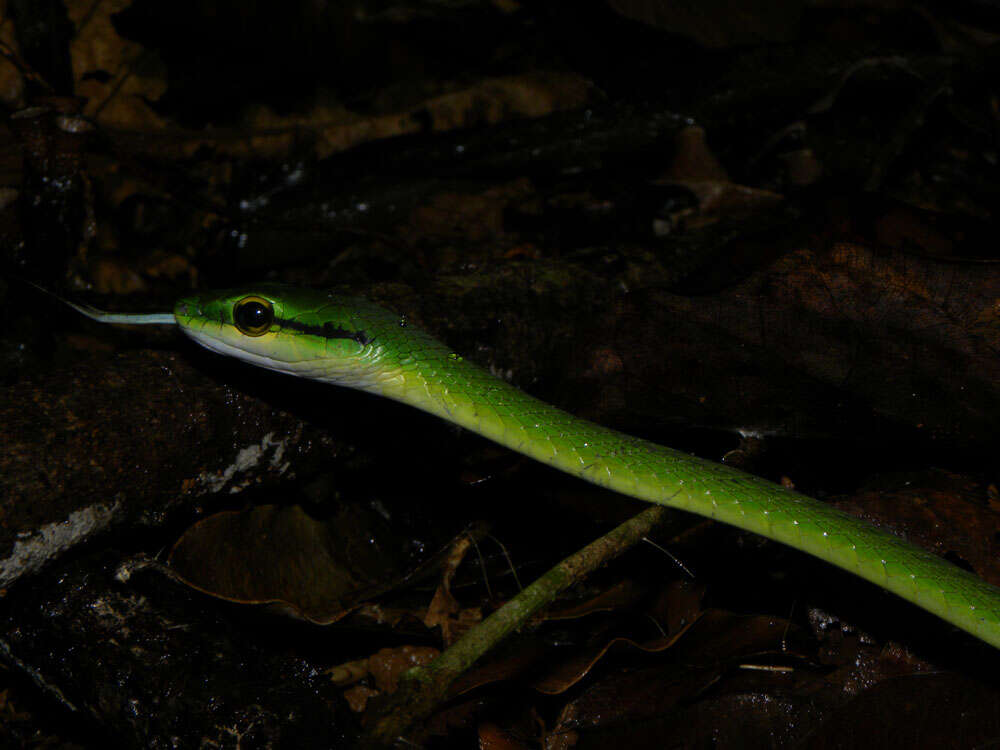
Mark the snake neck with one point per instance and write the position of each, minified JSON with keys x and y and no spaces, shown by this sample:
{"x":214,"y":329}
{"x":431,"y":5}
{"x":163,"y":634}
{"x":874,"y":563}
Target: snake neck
{"x":444,"y":384}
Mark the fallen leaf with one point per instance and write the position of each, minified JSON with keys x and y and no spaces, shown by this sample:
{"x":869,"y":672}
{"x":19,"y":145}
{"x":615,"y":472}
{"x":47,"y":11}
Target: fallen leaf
{"x":712,"y":638}
{"x":118,"y":77}
{"x":388,"y":665}
{"x":319,"y":570}
{"x":444,"y":609}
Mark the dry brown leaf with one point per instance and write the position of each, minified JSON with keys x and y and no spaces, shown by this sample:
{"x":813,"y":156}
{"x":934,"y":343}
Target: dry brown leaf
{"x":444,"y":609}
{"x":492,"y":737}
{"x":349,"y":672}
{"x":472,"y":218}
{"x":110,"y":276}
{"x":389,"y":664}
{"x":314,"y":569}
{"x":528,"y":653}
{"x":265,"y":133}
{"x":693,"y":159}
{"x":357,"y":697}
{"x":696,"y":167}
{"x":622,"y":594}
{"x":718,"y":23}
{"x":714,"y":636}
{"x":572,"y":670}
{"x":118,"y":77}
{"x":11,"y":80}
{"x":488,"y":102}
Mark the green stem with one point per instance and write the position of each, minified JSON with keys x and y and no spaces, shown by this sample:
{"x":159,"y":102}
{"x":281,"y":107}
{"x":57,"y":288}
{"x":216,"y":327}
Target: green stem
{"x":423,"y":689}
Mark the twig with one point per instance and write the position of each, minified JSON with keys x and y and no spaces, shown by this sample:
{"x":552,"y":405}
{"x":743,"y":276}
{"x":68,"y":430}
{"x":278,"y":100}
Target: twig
{"x":423,"y":689}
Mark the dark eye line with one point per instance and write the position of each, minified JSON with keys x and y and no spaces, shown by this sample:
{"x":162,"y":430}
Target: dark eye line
{"x":325,"y":331}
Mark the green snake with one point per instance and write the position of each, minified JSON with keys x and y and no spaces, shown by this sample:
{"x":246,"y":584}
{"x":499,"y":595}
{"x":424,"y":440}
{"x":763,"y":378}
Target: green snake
{"x":355,"y":343}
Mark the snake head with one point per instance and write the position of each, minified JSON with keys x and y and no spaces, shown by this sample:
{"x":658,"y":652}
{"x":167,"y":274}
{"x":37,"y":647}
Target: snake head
{"x":309,"y":333}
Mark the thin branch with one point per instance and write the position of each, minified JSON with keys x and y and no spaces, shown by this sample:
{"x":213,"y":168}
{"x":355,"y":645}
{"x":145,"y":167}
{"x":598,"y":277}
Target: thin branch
{"x":423,"y":689}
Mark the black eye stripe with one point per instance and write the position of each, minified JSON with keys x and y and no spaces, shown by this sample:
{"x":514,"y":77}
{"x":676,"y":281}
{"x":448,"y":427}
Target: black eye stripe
{"x":327,"y":330}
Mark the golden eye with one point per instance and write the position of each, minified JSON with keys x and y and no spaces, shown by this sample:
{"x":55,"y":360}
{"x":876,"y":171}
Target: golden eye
{"x":253,"y":316}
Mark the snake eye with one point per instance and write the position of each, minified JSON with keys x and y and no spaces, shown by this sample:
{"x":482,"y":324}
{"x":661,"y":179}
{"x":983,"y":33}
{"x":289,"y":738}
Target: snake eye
{"x":253,"y":316}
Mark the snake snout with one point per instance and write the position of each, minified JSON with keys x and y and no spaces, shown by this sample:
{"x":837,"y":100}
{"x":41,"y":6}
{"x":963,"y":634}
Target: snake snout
{"x":187,"y":308}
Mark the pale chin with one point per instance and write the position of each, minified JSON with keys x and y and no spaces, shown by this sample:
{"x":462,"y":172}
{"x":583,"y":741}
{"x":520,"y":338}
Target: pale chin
{"x":221,"y":347}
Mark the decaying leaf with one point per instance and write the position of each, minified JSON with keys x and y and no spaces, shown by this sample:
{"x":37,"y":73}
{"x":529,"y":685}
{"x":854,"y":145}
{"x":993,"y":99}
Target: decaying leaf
{"x":706,"y":636}
{"x":622,"y":594}
{"x":118,"y":77}
{"x":696,"y":168}
{"x":684,"y":668}
{"x":718,"y":23}
{"x":444,"y":609}
{"x":11,"y":78}
{"x":385,"y":667}
{"x":318,"y":570}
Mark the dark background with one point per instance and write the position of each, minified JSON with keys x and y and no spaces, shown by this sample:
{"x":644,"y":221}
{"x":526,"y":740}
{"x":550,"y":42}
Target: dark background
{"x":760,"y":232}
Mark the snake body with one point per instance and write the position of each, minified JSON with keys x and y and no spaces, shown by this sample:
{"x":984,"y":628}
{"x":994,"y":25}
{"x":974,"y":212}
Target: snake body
{"x":355,"y":343}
